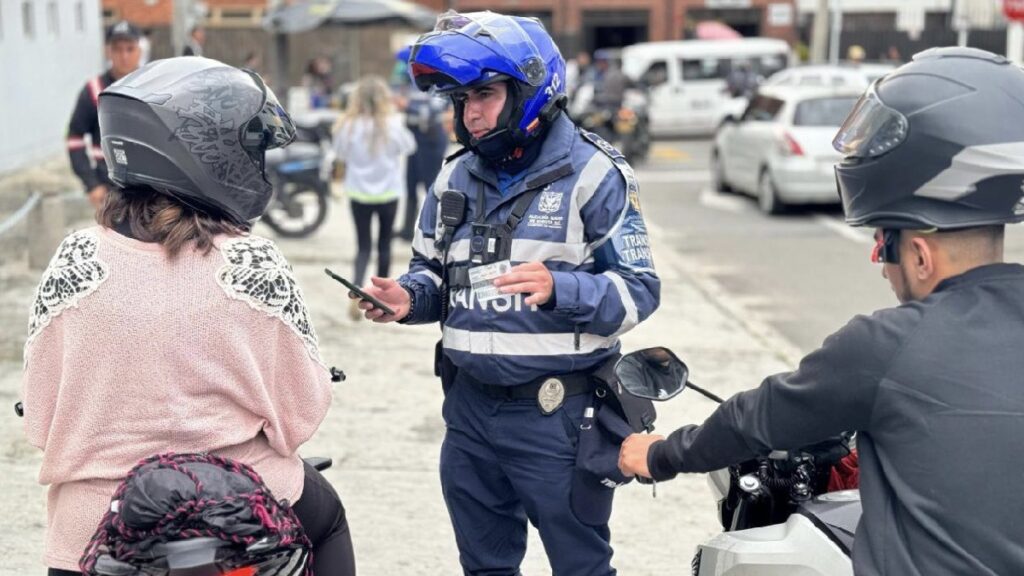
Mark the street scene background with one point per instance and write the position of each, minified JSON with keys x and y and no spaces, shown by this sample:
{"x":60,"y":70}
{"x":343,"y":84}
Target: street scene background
{"x":744,"y":294}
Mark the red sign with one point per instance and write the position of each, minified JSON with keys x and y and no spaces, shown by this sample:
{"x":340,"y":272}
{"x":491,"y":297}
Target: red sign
{"x":1013,"y":9}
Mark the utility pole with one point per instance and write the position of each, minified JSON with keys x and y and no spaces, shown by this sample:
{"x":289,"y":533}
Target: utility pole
{"x":180,"y":26}
{"x":1015,"y":41}
{"x":961,"y":22}
{"x":819,"y":34}
{"x":837,"y":30}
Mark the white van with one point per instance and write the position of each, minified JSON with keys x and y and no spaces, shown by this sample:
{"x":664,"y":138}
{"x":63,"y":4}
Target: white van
{"x":687,"y":78}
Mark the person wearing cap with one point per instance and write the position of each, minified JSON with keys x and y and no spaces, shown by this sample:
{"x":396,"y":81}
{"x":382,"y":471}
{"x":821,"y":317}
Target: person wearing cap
{"x":169,"y":327}
{"x":532,"y":253}
{"x":933,"y":161}
{"x":83,"y":137}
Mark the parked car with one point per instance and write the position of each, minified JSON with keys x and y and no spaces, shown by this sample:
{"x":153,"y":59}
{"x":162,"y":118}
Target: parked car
{"x":780,"y":149}
{"x":686,"y":79}
{"x":854,"y":75}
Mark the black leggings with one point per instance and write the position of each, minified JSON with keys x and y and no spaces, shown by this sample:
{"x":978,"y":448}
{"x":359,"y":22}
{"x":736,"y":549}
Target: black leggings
{"x":363,"y":216}
{"x":323,"y":517}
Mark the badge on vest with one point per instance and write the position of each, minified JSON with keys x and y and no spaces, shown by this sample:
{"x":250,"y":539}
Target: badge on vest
{"x":550,"y":396}
{"x":549,"y":203}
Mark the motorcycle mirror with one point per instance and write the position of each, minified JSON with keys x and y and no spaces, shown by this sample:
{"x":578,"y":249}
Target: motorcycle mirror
{"x":652,"y":373}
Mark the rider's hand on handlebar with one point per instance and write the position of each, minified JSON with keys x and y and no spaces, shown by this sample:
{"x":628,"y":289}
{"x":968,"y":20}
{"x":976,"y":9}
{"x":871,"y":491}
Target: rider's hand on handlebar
{"x":390,"y":293}
{"x":633,"y":454}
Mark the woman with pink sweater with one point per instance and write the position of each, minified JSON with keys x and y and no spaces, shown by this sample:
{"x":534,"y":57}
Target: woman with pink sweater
{"x":168,"y":327}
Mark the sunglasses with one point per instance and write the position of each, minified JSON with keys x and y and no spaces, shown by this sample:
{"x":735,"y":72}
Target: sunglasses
{"x":887,"y":245}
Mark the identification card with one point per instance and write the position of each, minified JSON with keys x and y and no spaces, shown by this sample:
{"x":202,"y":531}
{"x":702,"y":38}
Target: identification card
{"x":481,"y":278}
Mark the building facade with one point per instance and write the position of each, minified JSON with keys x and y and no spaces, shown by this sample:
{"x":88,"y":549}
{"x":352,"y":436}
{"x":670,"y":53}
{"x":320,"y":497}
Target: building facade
{"x":591,"y":24}
{"x":36,"y":92}
{"x":904,"y":27}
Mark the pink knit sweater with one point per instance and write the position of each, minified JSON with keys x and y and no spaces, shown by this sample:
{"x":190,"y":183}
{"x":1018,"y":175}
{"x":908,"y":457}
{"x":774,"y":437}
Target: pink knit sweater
{"x":130,"y":354}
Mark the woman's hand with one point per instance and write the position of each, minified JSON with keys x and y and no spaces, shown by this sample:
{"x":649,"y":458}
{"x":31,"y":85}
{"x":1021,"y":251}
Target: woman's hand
{"x":533,"y":278}
{"x":390,"y":293}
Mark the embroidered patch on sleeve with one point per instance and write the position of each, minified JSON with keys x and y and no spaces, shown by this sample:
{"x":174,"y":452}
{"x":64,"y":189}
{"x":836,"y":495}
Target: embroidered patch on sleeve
{"x":73,"y":273}
{"x":257,"y":273}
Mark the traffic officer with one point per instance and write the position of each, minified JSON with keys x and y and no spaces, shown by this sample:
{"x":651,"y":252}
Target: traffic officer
{"x":932,"y":387}
{"x":532,"y":251}
{"x":83,"y":140}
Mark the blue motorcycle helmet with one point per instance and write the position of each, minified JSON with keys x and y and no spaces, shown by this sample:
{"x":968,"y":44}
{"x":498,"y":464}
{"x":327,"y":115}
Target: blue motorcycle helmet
{"x":466,"y":51}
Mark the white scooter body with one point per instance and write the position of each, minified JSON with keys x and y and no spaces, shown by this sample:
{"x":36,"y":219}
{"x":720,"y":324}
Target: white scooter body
{"x":800,"y":547}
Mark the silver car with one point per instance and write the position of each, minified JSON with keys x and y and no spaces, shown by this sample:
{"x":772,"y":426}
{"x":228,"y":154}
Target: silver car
{"x":780,"y":149}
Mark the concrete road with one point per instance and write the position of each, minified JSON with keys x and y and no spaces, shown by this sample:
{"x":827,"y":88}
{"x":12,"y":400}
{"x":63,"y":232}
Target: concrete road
{"x":804,"y":274}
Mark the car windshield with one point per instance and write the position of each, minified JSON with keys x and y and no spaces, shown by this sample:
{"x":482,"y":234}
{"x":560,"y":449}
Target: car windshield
{"x":823,"y":111}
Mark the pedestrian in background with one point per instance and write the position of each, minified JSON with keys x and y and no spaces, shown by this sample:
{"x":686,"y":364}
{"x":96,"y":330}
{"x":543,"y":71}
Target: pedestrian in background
{"x":197,"y":39}
{"x":425,"y":116}
{"x":83,"y":139}
{"x":319,"y":80}
{"x":371,"y":139}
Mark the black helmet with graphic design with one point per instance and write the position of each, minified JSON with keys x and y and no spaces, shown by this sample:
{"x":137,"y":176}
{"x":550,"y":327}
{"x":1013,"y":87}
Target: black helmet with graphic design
{"x":938,"y":143}
{"x":195,"y":129}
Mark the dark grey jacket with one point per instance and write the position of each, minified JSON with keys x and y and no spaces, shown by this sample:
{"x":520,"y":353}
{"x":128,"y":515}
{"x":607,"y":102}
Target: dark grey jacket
{"x":936,"y":390}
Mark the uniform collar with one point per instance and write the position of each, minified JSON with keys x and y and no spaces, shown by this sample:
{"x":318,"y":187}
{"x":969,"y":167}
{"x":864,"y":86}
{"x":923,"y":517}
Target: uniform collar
{"x":980,"y":274}
{"x":553,"y":162}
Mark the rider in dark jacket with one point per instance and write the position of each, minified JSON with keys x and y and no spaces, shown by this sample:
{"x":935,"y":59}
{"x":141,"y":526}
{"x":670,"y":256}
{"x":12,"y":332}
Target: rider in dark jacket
{"x":932,"y":387}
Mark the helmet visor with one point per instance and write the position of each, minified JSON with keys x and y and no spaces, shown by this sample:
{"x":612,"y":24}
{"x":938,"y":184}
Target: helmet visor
{"x":271,"y":127}
{"x":871,"y":129}
{"x":467,"y":50}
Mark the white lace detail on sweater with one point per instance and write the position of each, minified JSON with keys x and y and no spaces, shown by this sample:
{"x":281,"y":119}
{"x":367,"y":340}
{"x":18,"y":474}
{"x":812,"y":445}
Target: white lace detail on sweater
{"x":257,"y":273}
{"x":73,"y":273}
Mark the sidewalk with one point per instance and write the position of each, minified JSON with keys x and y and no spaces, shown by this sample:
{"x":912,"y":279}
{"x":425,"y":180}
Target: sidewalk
{"x":384,"y":429}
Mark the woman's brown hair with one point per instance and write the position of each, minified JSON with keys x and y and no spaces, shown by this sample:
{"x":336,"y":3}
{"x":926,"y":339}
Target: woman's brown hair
{"x":155,"y":217}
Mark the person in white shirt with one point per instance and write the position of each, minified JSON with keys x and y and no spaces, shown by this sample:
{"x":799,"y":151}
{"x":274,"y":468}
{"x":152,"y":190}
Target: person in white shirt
{"x":371,"y":139}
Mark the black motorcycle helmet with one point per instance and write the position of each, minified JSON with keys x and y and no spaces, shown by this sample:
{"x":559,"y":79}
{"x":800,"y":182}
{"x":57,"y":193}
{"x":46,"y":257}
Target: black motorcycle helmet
{"x":195,"y":129}
{"x":936,"y":144}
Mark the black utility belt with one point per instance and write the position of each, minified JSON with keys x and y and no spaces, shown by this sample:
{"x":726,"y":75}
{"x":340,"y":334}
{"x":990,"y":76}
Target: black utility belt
{"x":562,"y":385}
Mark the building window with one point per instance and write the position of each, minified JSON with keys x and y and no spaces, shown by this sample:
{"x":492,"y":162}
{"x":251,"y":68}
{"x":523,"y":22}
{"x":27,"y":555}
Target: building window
{"x":52,"y":19}
{"x":79,"y":17}
{"x":110,"y":16}
{"x":237,"y":17}
{"x":28,"y":19}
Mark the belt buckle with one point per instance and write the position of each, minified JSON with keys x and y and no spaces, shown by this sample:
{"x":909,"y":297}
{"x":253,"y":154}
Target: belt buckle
{"x":550,"y":396}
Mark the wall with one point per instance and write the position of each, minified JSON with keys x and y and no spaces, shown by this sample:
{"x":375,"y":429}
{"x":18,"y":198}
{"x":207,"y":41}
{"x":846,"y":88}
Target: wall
{"x":41,"y":75}
{"x":666,"y":19}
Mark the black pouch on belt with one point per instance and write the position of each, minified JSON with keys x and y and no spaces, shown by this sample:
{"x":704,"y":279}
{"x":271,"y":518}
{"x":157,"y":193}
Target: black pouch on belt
{"x":612,"y":416}
{"x":639,"y":413}
{"x":596,"y":473}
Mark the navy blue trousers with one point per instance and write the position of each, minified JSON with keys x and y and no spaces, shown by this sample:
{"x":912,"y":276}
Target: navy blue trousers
{"x":503,"y":463}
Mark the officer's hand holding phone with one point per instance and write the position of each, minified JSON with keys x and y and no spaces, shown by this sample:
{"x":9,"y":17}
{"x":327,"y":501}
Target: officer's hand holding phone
{"x":532,"y":278}
{"x":390,"y":293}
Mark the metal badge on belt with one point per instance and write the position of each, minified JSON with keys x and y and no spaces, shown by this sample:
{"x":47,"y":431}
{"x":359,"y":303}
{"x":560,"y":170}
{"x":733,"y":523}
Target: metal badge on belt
{"x":550,"y":396}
